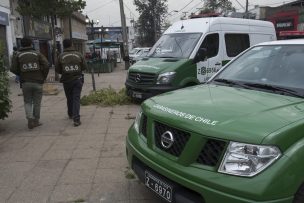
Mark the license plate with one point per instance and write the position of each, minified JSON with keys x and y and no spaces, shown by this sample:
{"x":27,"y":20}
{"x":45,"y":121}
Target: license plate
{"x":160,"y":187}
{"x":137,"y":95}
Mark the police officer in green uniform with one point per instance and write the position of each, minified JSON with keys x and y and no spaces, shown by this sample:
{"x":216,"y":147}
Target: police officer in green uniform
{"x":32,"y":67}
{"x":70,"y":64}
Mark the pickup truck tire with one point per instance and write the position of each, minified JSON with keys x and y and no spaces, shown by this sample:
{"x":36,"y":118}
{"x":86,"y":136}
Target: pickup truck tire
{"x":190,"y":84}
{"x":299,"y":196}
{"x":137,"y":101}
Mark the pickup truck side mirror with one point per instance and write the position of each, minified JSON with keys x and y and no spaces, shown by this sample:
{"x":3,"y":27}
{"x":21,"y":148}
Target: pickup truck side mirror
{"x":201,"y":55}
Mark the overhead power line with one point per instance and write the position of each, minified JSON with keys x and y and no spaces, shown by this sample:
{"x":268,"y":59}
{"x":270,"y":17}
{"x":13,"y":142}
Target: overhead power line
{"x":264,"y":4}
{"x":240,"y":4}
{"x":282,"y":2}
{"x":130,"y":9}
{"x":99,"y":7}
{"x":183,"y":7}
{"x":186,"y":5}
{"x":190,"y":10}
{"x":195,"y":6}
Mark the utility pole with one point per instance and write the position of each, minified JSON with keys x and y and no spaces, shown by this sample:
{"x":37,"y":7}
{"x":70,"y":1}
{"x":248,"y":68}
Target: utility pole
{"x":91,"y":24}
{"x":94,"y":54}
{"x":154,"y":25}
{"x":124,"y":35}
{"x":246,"y":11}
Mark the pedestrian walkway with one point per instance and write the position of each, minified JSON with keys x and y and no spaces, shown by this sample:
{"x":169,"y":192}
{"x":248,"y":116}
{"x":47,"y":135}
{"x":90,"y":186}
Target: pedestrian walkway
{"x":60,"y":163}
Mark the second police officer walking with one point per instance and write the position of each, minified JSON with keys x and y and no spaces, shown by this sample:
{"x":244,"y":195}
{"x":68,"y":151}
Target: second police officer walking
{"x":70,"y":65}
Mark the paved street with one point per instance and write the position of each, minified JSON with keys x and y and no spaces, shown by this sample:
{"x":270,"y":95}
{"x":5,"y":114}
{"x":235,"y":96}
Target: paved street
{"x":60,"y":163}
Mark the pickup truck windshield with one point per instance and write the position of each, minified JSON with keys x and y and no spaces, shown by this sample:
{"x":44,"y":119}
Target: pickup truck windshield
{"x":276,"y":68}
{"x":178,"y":45}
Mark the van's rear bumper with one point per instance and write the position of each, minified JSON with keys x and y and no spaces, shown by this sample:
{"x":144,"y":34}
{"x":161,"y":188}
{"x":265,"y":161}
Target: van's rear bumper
{"x":145,"y":92}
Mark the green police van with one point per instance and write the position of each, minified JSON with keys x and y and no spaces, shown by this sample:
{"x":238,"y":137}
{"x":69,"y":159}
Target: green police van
{"x":177,"y":60}
{"x":239,"y":138}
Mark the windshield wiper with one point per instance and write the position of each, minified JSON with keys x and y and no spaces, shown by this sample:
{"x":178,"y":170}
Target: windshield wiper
{"x":166,"y":57}
{"x":282,"y":90}
{"x":231,"y":83}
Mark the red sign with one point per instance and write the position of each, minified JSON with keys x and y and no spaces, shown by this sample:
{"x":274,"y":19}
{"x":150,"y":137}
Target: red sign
{"x":291,"y":33}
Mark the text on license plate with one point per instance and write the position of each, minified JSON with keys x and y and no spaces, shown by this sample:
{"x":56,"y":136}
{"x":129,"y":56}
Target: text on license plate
{"x":158,"y":186}
{"x":137,"y":95}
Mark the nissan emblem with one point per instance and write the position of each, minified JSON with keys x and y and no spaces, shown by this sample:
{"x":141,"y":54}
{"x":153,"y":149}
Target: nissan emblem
{"x":167,"y":139}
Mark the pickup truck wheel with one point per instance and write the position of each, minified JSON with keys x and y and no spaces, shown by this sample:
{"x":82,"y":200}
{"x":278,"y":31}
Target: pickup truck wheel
{"x":137,"y":101}
{"x":299,"y":196}
{"x":190,"y":84}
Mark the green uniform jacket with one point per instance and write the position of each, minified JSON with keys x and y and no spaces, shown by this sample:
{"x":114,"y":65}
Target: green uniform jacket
{"x":30,"y":65}
{"x":70,"y":64}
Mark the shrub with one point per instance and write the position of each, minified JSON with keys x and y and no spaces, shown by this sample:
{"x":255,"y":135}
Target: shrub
{"x":106,"y":97}
{"x":5,"y":103}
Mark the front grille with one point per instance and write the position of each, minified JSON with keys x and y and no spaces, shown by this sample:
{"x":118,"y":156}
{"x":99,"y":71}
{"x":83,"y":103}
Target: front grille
{"x":142,"y":78}
{"x":211,"y":152}
{"x":144,"y":125}
{"x":180,"y":138}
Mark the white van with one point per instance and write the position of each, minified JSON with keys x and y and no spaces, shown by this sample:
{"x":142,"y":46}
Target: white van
{"x":191,"y":51}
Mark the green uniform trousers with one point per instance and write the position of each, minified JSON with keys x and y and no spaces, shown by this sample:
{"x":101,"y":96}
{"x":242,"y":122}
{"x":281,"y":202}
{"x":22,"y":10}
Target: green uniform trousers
{"x":32,"y":95}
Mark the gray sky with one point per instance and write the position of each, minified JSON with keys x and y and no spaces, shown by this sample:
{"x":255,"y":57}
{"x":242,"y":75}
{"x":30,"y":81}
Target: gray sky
{"x":108,"y":13}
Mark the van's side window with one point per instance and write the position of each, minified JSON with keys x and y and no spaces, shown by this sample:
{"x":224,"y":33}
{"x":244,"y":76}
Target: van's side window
{"x":236,"y":43}
{"x":211,"y":43}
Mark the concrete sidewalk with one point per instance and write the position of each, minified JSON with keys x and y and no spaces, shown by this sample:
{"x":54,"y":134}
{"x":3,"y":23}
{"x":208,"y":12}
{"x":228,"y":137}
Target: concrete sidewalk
{"x":60,"y":163}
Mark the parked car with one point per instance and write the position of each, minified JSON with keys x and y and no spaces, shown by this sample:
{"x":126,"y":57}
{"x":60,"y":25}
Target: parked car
{"x":144,"y":53}
{"x":239,"y":138}
{"x":137,"y":52}
{"x":175,"y":61}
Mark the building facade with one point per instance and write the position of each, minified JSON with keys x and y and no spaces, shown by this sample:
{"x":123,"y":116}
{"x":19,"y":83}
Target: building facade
{"x":39,"y":30}
{"x":288,"y":19}
{"x":42,"y":34}
{"x":109,"y":37}
{"x":6,"y":30}
{"x":17,"y":24}
{"x":75,"y":28}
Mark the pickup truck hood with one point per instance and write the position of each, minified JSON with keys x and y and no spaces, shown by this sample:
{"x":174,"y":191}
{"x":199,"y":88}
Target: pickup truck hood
{"x":227,"y":113}
{"x":157,"y":65}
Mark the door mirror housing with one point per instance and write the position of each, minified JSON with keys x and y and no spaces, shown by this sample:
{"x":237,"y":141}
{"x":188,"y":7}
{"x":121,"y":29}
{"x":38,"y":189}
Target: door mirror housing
{"x":201,"y":55}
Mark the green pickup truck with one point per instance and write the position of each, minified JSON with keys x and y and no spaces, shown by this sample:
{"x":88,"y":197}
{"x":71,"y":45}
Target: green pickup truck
{"x":239,"y":138}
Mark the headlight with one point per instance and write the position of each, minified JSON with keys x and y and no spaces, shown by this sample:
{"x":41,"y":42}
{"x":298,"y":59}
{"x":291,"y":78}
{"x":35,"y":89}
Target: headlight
{"x":165,"y":78}
{"x":137,"y":121}
{"x":248,"y":160}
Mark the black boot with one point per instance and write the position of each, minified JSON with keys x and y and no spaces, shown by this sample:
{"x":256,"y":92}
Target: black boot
{"x":77,"y":123}
{"x":37,"y":123}
{"x":30,"y":123}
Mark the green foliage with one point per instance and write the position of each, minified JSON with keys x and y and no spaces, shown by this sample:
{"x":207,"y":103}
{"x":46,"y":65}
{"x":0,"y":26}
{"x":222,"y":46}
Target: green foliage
{"x":129,"y":174}
{"x":40,"y":8}
{"x":5,"y":103}
{"x":150,"y":21}
{"x":79,"y":200}
{"x":217,"y":6}
{"x":106,"y":97}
